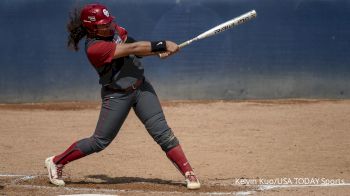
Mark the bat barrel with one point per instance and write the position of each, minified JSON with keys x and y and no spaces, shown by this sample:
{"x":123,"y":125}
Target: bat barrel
{"x":222,"y":27}
{"x":228,"y":24}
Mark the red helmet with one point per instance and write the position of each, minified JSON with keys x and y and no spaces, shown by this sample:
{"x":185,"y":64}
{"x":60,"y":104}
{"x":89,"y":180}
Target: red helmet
{"x":94,"y":16}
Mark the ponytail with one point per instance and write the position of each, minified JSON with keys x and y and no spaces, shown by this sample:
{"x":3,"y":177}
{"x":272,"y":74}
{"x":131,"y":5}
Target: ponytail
{"x":75,"y":29}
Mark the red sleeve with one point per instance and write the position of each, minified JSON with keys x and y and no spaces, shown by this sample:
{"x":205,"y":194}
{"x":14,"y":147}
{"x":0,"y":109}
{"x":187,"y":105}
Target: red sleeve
{"x":122,"y":32}
{"x":101,"y":53}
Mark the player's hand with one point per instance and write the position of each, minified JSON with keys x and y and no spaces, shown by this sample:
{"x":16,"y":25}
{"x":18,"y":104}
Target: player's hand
{"x":172,"y":48}
{"x":164,"y":55}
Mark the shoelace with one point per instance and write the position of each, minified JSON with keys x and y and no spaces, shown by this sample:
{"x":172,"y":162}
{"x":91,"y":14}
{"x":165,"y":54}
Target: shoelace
{"x":59,"y":170}
{"x":191,"y":177}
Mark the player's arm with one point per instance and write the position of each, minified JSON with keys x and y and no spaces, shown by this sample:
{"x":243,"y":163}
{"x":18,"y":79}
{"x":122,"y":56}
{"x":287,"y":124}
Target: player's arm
{"x":129,"y":39}
{"x":145,"y":48}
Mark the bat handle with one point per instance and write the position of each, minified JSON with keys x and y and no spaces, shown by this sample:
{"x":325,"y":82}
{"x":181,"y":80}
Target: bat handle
{"x":180,"y":46}
{"x":185,"y":43}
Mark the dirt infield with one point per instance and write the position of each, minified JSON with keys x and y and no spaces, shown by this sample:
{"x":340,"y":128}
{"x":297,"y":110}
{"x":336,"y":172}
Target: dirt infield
{"x":271,"y":147}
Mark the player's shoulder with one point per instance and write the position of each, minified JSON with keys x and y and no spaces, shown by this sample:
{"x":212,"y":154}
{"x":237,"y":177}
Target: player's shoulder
{"x":100,"y":52}
{"x":120,"y":29}
{"x":122,"y":32}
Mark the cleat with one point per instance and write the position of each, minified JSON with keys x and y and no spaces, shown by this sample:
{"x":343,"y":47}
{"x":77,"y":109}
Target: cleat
{"x":55,"y":172}
{"x":191,"y":180}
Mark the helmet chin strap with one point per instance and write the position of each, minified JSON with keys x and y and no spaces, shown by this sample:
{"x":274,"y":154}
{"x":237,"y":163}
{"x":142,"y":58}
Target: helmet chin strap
{"x":95,"y":34}
{"x":110,"y":38}
{"x":105,"y":32}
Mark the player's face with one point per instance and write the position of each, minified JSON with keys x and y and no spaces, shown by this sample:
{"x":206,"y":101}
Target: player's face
{"x":105,"y":30}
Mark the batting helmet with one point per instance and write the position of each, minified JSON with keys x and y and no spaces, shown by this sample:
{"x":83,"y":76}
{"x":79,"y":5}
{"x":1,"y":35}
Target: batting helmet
{"x":97,"y":20}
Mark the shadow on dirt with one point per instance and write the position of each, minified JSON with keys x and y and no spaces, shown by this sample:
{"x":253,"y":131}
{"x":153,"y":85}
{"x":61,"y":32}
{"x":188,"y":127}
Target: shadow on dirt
{"x":104,"y":179}
{"x":104,"y":182}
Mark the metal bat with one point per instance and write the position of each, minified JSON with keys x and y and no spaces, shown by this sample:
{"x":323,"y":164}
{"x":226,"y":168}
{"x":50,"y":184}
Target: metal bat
{"x":222,"y":27}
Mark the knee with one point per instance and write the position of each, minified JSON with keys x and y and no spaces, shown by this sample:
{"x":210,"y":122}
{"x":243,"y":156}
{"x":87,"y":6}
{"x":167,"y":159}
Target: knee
{"x":168,"y":141}
{"x":100,"y":144}
{"x":161,"y":132}
{"x":93,"y":144}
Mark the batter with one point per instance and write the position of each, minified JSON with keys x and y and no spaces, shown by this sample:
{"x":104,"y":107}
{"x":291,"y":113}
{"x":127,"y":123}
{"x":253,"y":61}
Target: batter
{"x":115,"y":56}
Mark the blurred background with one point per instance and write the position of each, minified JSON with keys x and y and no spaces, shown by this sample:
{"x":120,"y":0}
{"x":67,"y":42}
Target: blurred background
{"x":293,"y":49}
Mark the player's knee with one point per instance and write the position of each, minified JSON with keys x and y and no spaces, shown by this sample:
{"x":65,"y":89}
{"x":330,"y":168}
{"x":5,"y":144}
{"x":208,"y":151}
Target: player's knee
{"x":93,"y":144}
{"x":100,"y":144}
{"x":161,"y":132}
{"x":168,"y":141}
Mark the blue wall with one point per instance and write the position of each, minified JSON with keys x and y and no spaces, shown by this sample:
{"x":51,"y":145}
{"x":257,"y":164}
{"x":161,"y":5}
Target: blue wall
{"x":293,"y":49}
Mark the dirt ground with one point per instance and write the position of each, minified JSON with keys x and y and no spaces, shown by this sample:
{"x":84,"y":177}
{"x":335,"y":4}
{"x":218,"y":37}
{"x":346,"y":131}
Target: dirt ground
{"x":271,"y":147}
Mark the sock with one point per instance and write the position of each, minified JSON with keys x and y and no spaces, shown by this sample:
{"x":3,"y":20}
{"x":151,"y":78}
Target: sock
{"x":177,"y":156}
{"x":71,"y":154}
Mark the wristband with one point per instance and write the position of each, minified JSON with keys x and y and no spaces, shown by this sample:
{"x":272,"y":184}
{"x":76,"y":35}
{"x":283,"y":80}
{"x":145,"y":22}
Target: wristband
{"x":158,"y":46}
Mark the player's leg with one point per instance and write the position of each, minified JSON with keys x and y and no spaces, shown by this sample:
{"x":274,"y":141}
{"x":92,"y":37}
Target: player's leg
{"x":149,"y":111}
{"x":112,"y":115}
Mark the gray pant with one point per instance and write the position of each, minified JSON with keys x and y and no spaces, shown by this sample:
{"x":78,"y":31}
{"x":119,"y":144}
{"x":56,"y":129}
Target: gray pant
{"x":115,"y":109}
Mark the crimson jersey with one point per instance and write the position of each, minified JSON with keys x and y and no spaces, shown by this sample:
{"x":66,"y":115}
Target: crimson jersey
{"x":117,"y":73}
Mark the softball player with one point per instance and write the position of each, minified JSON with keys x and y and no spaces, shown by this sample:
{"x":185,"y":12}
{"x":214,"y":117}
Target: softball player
{"x":114,"y":55}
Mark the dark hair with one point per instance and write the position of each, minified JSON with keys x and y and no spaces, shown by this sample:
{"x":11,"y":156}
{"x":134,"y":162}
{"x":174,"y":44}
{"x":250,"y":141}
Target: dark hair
{"x":75,"y":29}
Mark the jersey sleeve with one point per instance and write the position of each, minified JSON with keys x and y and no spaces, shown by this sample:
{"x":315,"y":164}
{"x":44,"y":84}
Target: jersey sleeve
{"x":122,"y":33}
{"x":101,"y":53}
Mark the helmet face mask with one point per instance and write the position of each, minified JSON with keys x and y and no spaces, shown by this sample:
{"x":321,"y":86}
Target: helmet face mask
{"x":97,"y":20}
{"x":105,"y":30}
